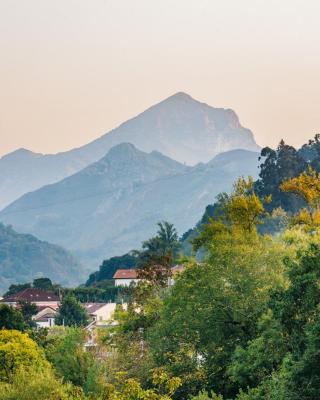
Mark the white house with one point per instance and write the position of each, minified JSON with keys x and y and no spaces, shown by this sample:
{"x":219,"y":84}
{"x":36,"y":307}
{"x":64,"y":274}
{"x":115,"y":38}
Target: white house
{"x":45,"y":317}
{"x":100,"y":313}
{"x":124,"y":277}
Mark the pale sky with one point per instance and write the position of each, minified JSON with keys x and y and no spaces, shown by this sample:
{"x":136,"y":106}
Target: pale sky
{"x":70,"y":70}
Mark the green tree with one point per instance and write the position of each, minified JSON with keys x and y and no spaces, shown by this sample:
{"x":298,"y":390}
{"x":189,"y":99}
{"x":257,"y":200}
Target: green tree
{"x":296,"y":310}
{"x":108,"y":268}
{"x":43,"y":284}
{"x":278,"y":165}
{"x":214,"y":307}
{"x":70,"y":360}
{"x":163,"y":388}
{"x":72,"y":313}
{"x":38,"y":384}
{"x":28,"y":310}
{"x":13,"y":289}
{"x":11,"y":318}
{"x":262,"y":355}
{"x":158,"y":255}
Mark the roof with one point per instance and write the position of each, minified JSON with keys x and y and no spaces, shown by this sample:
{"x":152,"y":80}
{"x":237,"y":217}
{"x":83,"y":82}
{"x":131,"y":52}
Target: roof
{"x":32,"y":295}
{"x":45,"y":317}
{"x":41,"y":308}
{"x":93,"y":307}
{"x":125,"y":274}
{"x":177,"y":269}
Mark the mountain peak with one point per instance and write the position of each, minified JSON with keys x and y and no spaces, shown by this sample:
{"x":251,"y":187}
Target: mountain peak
{"x":122,"y":150}
{"x":180,"y":96}
{"x":20,"y":153}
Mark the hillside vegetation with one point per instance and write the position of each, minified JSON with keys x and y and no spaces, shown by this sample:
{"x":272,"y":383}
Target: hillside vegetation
{"x":23,"y":257}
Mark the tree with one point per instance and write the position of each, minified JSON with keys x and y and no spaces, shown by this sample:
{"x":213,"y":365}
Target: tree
{"x":71,"y":362}
{"x":237,"y":213}
{"x":38,"y":384}
{"x":13,"y":289}
{"x":72,"y":313}
{"x":214,"y":306}
{"x":295,"y":373}
{"x":11,"y":318}
{"x":163,"y":388}
{"x":109,"y":267}
{"x":28,"y":310}
{"x":306,"y":186}
{"x":262,"y":355}
{"x":43,"y":284}
{"x":278,"y":165}
{"x":158,"y":255}
{"x":18,"y":351}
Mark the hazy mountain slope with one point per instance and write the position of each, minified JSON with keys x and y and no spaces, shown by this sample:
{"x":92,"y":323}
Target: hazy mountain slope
{"x":179,"y":127}
{"x":111,"y":206}
{"x":23,"y":257}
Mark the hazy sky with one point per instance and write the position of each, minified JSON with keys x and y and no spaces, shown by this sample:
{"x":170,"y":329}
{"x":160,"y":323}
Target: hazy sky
{"x":71,"y":70}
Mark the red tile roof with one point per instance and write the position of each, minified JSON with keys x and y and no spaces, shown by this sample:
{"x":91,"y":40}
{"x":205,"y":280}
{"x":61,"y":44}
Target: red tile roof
{"x":125,"y":274}
{"x":31,"y":295}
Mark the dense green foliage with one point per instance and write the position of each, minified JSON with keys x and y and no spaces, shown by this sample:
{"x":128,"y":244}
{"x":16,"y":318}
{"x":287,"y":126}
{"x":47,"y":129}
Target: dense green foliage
{"x":108,"y":268}
{"x":242,"y":324}
{"x":71,"y":312}
{"x":276,"y":166}
{"x":11,"y":318}
{"x":158,"y":255}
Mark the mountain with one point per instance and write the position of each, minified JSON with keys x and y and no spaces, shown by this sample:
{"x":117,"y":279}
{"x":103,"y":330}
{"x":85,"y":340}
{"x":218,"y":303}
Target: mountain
{"x":180,"y":127}
{"x":24,"y":257}
{"x":111,"y":206}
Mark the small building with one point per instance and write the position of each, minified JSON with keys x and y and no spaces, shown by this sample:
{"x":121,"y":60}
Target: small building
{"x":175,"y":270}
{"x":100,"y":313}
{"x":45,"y":318}
{"x":38,"y":297}
{"x":125,"y":277}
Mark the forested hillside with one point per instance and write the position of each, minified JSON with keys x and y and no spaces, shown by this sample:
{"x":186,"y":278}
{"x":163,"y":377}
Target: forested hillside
{"x":241,"y":325}
{"x":276,"y":165}
{"x":23,"y":257}
{"x":111,"y":206}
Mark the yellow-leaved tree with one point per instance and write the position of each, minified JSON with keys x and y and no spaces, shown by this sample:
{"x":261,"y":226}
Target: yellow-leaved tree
{"x":307,"y":186}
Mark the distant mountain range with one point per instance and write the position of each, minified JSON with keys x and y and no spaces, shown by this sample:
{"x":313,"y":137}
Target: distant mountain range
{"x":179,"y":127}
{"x":112,"y":205}
{"x":24,"y":257}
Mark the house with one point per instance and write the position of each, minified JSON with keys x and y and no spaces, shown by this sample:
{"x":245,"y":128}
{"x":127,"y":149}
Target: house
{"x":100,"y":313}
{"x":124,"y":277}
{"x":38,"y":297}
{"x":45,"y":318}
{"x":175,"y":270}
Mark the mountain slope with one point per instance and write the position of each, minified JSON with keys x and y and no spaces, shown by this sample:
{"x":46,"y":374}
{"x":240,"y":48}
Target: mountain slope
{"x":111,"y":206}
{"x":23,"y":257}
{"x":179,"y":127}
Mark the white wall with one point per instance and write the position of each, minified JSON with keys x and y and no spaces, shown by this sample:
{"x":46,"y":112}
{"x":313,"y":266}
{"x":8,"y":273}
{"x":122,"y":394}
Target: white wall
{"x":125,"y":282}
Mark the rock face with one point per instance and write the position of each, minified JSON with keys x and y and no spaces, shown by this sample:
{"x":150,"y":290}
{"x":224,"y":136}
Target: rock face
{"x":24,"y":257}
{"x":112,"y":205}
{"x":179,"y":127}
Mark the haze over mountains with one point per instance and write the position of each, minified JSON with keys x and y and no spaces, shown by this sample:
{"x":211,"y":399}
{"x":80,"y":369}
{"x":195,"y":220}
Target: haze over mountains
{"x":179,"y":127}
{"x":112,"y":205}
{"x":24,"y":257}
